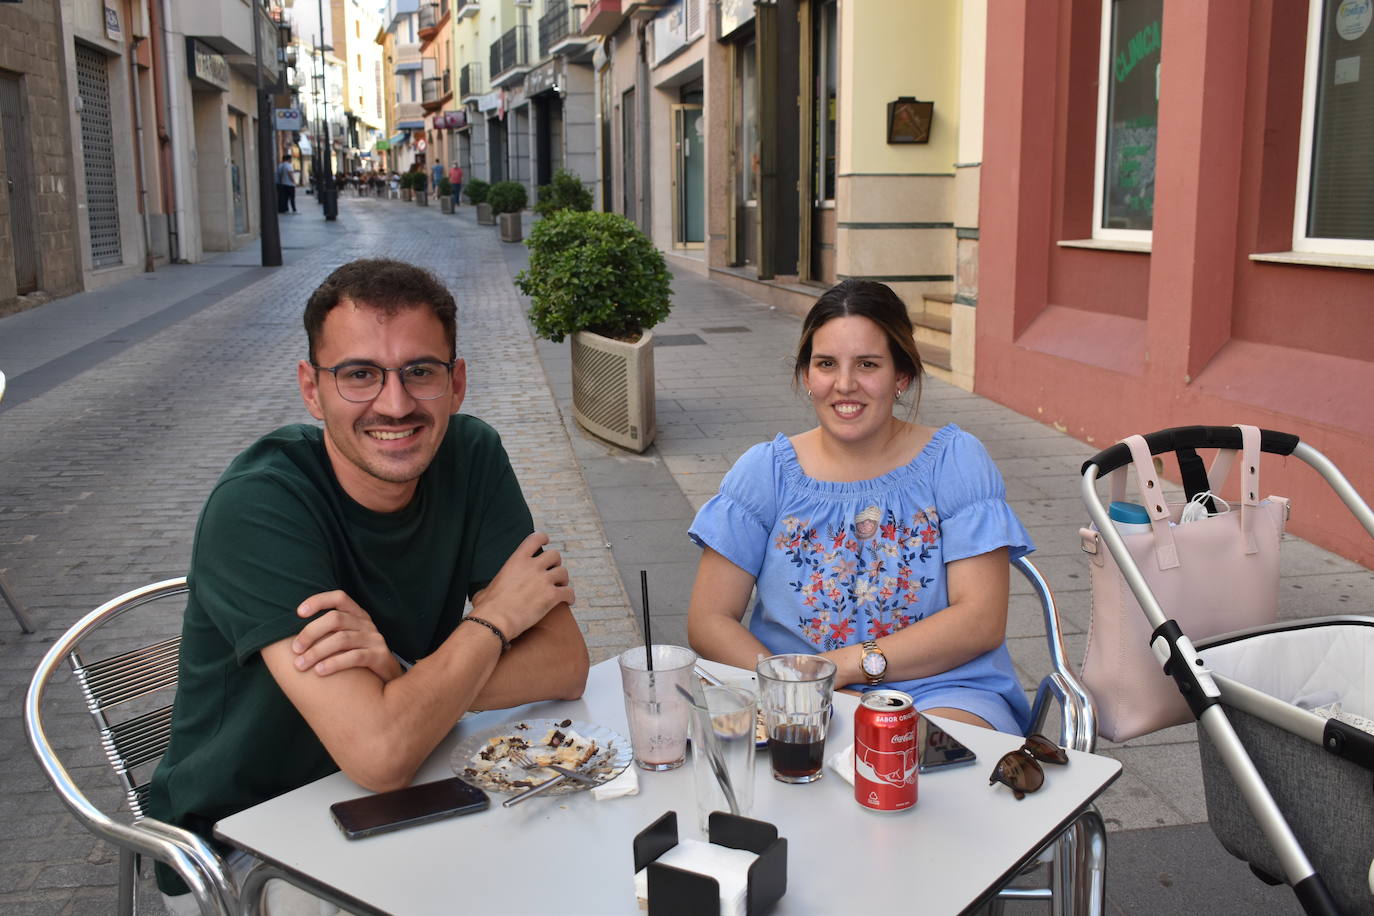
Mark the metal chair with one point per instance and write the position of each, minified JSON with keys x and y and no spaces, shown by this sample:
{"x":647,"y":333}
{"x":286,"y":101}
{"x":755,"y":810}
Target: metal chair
{"x":133,"y":745}
{"x":1077,"y":873}
{"x":20,"y":612}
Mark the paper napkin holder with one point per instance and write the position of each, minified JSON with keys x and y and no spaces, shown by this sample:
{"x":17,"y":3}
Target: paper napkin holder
{"x":677,"y":892}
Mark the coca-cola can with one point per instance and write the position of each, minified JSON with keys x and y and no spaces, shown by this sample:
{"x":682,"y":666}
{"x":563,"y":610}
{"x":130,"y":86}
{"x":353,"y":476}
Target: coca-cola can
{"x":886,"y":758}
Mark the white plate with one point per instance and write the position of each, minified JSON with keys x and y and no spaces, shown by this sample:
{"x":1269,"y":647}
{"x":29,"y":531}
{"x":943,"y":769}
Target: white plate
{"x":612,"y":755}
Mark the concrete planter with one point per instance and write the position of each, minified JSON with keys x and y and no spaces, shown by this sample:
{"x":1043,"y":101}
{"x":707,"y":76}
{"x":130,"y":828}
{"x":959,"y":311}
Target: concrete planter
{"x":446,"y":204}
{"x":406,"y":194}
{"x":510,"y":227}
{"x":484,"y":215}
{"x":613,"y":388}
{"x":422,"y":198}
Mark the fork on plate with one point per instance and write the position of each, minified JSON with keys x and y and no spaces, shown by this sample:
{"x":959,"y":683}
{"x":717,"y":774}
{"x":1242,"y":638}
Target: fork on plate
{"x":523,"y":760}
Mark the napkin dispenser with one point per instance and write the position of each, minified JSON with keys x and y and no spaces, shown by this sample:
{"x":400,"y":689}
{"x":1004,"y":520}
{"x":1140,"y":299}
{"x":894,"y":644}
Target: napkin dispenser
{"x":676,"y":891}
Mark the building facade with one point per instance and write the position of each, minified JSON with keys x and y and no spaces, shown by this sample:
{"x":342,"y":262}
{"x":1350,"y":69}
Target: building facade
{"x":1183,"y":228}
{"x":39,"y":239}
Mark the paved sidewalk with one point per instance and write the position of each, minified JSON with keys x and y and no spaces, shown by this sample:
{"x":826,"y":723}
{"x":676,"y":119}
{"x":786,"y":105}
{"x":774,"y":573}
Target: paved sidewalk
{"x":118,"y":429}
{"x":126,"y":404}
{"x":724,"y":367}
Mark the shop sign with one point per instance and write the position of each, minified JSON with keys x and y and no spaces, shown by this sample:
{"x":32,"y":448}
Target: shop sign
{"x":206,"y":66}
{"x":287,"y":118}
{"x":489,"y":102}
{"x":734,"y":15}
{"x":514,"y":97}
{"x":542,"y":78}
{"x":670,"y":33}
{"x":112,"y":29}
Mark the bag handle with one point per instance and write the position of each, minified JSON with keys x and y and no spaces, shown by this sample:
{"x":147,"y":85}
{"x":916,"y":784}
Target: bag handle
{"x":1249,"y":479}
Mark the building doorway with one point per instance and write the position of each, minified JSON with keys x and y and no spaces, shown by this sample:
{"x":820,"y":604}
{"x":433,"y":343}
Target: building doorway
{"x":98,"y":159}
{"x":745,"y":138}
{"x":19,"y":174}
{"x":689,"y":170}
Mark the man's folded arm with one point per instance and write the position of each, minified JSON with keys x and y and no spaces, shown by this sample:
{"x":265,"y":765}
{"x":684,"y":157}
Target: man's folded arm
{"x":547,"y":662}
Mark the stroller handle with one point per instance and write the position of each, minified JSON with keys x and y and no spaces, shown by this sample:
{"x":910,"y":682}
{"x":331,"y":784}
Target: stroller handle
{"x":1168,"y":440}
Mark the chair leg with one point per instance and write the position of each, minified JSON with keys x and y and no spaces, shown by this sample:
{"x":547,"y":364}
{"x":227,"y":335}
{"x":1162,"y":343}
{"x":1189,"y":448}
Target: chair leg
{"x":128,"y":880}
{"x":20,"y":612}
{"x":1078,"y":876}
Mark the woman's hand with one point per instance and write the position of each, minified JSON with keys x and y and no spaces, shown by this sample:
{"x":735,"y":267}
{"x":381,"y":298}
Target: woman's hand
{"x":342,"y":637}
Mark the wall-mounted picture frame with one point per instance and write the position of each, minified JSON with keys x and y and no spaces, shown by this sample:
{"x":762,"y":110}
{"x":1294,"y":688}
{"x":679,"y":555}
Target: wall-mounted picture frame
{"x":908,"y":120}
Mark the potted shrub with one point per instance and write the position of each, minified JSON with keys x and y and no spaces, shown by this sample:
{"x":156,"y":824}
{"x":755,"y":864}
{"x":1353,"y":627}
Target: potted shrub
{"x":476,"y":191}
{"x":597,"y":278}
{"x":407,"y":186}
{"x":507,"y":199}
{"x":565,"y":192}
{"x":445,"y":195}
{"x":420,"y":184}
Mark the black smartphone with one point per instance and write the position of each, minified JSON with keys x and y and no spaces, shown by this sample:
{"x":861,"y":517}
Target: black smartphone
{"x":419,"y":804}
{"x":939,"y":748}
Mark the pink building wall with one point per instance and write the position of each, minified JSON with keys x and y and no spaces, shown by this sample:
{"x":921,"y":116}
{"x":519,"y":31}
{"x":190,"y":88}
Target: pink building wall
{"x":1105,"y":343}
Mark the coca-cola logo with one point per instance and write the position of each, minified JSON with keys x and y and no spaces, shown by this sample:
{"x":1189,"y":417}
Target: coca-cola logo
{"x":903,"y":739}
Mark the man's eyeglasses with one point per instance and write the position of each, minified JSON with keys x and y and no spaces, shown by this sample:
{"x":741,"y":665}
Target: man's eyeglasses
{"x":358,"y":381}
{"x":1020,"y":769}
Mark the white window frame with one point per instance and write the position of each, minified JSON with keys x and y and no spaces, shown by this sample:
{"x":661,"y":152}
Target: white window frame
{"x":1104,"y":74}
{"x":1311,"y":74}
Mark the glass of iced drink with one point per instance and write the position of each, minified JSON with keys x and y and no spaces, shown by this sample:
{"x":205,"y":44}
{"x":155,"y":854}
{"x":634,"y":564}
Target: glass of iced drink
{"x":655,"y":707}
{"x":794,"y":697}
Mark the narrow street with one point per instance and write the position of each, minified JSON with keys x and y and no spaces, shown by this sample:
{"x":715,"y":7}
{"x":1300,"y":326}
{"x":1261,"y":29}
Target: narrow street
{"x":125,"y":405}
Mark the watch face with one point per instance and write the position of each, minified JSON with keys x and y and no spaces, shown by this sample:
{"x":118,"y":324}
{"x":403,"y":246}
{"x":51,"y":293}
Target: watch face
{"x":874,"y":663}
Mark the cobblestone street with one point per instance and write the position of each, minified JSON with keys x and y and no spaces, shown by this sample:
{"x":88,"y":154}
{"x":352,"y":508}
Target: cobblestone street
{"x":102,"y":477}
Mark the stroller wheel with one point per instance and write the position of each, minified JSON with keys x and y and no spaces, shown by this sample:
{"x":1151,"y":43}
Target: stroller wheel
{"x":1265,"y":876}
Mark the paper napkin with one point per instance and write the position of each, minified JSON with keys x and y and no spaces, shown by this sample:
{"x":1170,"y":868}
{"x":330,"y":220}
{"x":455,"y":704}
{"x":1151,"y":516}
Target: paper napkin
{"x":627,"y":783}
{"x":842,"y":762}
{"x":730,"y":868}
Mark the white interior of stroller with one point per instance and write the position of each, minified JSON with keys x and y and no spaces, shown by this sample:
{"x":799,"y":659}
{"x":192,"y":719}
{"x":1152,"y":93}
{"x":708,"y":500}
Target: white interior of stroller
{"x":1309,"y":667}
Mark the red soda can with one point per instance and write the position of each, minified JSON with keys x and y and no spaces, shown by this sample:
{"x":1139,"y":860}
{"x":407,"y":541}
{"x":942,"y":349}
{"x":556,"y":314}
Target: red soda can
{"x":886,"y":759}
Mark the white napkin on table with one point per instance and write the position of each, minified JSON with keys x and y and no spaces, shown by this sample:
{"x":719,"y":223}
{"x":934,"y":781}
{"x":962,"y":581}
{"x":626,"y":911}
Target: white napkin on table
{"x":842,"y":762}
{"x":627,"y":783}
{"x":730,"y":868}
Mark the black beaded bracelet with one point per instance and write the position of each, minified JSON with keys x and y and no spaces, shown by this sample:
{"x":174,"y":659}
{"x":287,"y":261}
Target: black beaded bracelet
{"x":505,"y":643}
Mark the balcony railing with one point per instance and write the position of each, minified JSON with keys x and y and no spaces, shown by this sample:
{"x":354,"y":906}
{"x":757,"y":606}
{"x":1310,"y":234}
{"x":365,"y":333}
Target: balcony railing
{"x":510,"y":52}
{"x":464,"y":8}
{"x":430,"y":91}
{"x":470,"y":81}
{"x":429,"y":19}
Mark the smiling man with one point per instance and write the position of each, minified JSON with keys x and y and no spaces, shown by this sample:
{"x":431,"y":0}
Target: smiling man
{"x":331,"y":569}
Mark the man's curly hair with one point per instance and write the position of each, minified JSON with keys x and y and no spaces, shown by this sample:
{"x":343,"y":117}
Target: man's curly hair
{"x":384,"y":284}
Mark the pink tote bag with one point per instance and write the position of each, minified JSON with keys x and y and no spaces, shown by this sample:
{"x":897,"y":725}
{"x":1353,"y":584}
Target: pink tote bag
{"x":1213,"y":575}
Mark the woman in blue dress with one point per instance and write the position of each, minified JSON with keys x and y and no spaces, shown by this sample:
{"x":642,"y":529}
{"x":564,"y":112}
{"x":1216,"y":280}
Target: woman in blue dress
{"x":876,"y":542}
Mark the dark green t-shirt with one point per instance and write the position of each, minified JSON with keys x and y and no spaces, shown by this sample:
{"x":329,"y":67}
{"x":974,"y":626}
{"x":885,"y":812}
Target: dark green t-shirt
{"x":277,"y":529}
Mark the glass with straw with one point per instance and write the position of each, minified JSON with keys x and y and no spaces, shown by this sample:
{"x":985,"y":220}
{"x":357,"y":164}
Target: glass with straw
{"x":653,"y":677}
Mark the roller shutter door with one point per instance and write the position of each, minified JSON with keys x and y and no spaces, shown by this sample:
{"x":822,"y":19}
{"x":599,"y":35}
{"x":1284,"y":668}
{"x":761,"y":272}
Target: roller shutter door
{"x":97,"y":145}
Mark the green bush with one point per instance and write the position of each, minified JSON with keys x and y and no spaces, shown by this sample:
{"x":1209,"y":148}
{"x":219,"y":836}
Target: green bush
{"x":476,"y":191}
{"x":419,"y":181}
{"x":565,"y":192}
{"x":507,"y":197}
{"x":406,"y":184}
{"x":594,"y":272}
{"x":445,"y":188}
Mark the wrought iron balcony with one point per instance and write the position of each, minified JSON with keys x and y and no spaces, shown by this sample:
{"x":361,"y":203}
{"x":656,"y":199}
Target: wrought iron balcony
{"x":510,"y":55}
{"x":470,"y":81}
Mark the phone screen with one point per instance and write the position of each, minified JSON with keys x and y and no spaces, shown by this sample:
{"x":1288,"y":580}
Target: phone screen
{"x":939,"y":748}
{"x":419,"y":804}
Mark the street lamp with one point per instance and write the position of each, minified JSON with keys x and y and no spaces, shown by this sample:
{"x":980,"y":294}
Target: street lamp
{"x":329,"y":195}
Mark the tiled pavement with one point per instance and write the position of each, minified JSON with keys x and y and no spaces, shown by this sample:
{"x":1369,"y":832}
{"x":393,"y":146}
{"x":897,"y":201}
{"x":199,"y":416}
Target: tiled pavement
{"x":125,"y":405}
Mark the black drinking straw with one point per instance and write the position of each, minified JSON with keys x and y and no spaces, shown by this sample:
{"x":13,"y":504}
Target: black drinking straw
{"x":644,"y":600}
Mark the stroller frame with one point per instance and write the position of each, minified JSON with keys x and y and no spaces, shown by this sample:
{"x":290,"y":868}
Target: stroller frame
{"x":1180,"y":660}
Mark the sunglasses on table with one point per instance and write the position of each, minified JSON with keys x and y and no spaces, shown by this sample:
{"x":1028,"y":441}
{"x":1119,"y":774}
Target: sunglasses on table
{"x":1020,"y":770}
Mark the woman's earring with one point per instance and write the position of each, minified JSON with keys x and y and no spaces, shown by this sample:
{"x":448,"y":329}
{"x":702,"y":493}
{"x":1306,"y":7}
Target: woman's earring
{"x":808,"y":394}
{"x":899,"y":391}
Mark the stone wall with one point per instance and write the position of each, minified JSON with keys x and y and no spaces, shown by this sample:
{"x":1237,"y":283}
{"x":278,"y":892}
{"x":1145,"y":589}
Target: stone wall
{"x":31,"y":52}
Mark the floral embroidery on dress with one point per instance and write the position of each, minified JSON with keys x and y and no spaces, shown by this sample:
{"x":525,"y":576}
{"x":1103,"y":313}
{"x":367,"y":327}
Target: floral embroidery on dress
{"x":862,"y":580}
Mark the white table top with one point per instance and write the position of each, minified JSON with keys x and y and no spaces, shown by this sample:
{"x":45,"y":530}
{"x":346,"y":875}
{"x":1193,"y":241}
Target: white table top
{"x":573,"y":854}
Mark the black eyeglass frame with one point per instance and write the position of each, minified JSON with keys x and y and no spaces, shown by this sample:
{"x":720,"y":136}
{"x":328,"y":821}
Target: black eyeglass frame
{"x":400,"y":374}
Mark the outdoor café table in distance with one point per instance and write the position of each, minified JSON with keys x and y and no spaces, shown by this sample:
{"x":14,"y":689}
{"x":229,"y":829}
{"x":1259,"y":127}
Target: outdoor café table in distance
{"x":573,"y":854}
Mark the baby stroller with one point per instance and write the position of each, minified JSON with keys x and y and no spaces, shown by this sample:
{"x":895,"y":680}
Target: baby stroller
{"x":1286,"y":773}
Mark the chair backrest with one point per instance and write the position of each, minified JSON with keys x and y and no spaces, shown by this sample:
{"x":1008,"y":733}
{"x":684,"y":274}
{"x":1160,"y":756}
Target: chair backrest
{"x":133,"y":744}
{"x":1078,"y":718}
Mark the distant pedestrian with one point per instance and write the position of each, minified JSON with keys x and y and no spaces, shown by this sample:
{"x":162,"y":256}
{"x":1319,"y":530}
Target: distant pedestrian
{"x":455,"y":178}
{"x":286,"y":185}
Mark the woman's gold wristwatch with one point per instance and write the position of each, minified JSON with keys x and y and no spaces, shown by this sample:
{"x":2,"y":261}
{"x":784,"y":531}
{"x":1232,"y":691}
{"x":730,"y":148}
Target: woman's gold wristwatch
{"x":874,"y":662}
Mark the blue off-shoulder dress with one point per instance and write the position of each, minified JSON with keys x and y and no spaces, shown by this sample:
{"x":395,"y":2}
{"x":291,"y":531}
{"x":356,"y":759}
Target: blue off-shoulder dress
{"x":838,"y":563}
